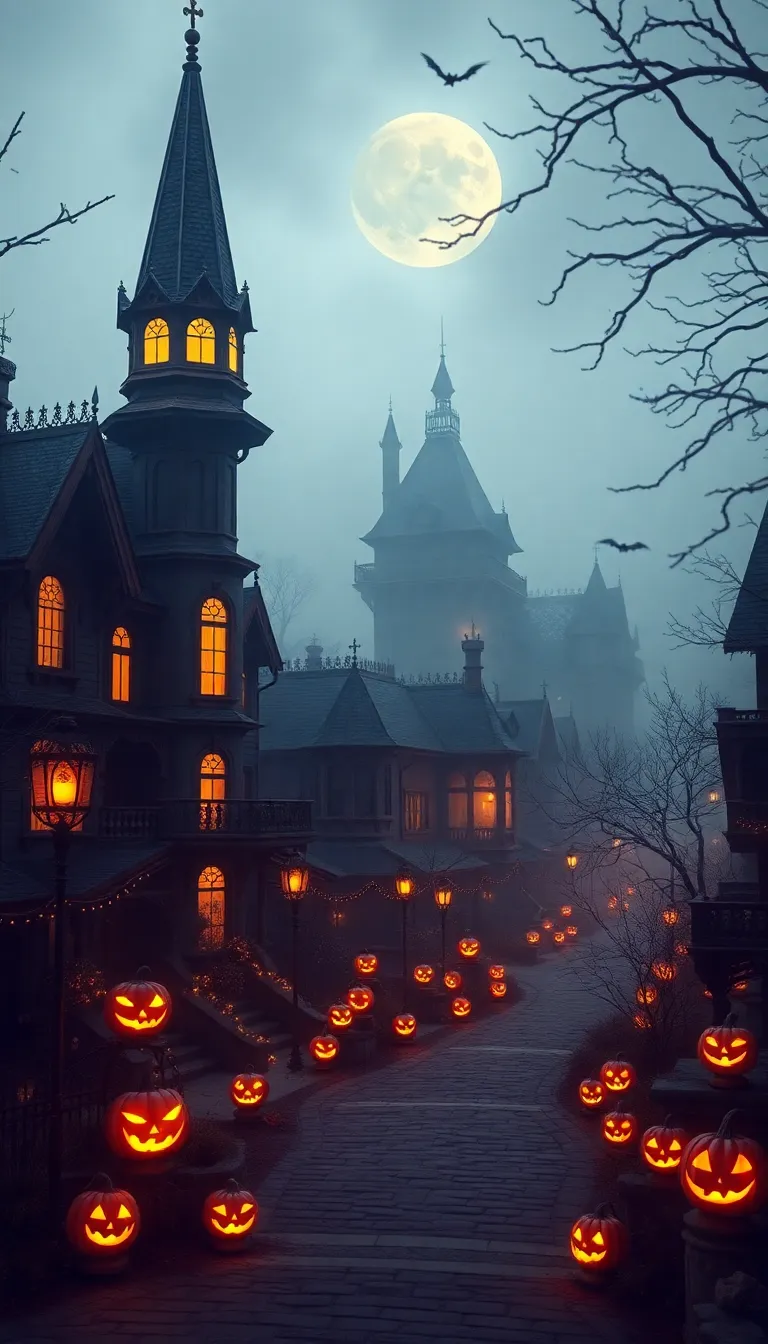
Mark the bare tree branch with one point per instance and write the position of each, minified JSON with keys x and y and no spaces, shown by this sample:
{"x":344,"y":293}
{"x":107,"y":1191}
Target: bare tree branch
{"x":286,"y":587}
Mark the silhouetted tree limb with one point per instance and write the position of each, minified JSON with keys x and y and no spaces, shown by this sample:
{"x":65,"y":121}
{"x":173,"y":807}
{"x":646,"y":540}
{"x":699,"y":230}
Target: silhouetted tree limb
{"x":286,"y":587}
{"x":718,"y":346}
{"x":65,"y":216}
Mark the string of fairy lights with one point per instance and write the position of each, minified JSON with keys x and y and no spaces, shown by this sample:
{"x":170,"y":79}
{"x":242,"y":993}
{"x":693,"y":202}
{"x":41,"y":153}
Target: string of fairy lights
{"x":46,"y":910}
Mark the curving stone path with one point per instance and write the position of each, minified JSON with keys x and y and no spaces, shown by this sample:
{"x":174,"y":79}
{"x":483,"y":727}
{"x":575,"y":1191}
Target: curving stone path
{"x":428,"y":1200}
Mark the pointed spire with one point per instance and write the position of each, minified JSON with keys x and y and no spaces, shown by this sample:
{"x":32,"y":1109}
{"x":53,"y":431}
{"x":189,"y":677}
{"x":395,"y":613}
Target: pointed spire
{"x":442,"y":388}
{"x":596,"y":585}
{"x":389,"y":438}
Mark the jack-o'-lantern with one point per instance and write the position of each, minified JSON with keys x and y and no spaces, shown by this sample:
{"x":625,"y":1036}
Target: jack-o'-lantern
{"x":617,"y":1075}
{"x":249,"y":1091}
{"x":728,"y":1050}
{"x":670,"y":915}
{"x":591,"y":1093}
{"x":423,"y":974}
{"x":102,"y":1222}
{"x":366,"y":963}
{"x":598,"y":1241}
{"x":498,"y":988}
{"x":452,"y":980}
{"x":613,"y":902}
{"x":566,"y":911}
{"x":571,"y":930}
{"x":360,"y":998}
{"x":533,"y":937}
{"x":664,"y":970}
{"x":461,"y":1008}
{"x":340,"y":1016}
{"x":740,"y":987}
{"x":681,"y":949}
{"x":143,"y":1125}
{"x":662,"y":1146}
{"x":324,"y":1049}
{"x":230,"y":1215}
{"x":646,"y":994}
{"x":139,"y":1007}
{"x":496,"y":972}
{"x":619,"y":1127}
{"x":724,"y":1173}
{"x":404,"y":1025}
{"x":630,"y":891}
{"x":469,"y":948}
{"x":558,"y":937}
{"x":548,"y":924}
{"x":642,"y":1020}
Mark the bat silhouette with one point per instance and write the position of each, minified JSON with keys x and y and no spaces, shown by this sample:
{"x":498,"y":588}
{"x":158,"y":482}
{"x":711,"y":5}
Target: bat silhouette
{"x":450,"y":80}
{"x":623,"y":545}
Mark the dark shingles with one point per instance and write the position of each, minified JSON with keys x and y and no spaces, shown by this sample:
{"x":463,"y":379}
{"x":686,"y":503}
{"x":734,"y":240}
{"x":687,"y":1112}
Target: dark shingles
{"x":528,"y":716}
{"x":461,"y":721}
{"x":341,"y":708}
{"x":293,"y":711}
{"x":748,"y":626}
{"x":33,"y":467}
{"x":121,"y":467}
{"x":340,"y":858}
{"x":92,"y":868}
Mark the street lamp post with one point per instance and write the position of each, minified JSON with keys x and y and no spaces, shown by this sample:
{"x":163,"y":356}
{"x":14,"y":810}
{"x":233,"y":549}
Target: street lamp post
{"x":295,"y":880}
{"x":443,"y":898}
{"x":404,"y":891}
{"x":571,"y":860}
{"x":62,"y":781}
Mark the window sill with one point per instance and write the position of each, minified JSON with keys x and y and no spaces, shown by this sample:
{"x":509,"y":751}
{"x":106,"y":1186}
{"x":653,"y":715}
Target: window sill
{"x":53,"y":676}
{"x":220,"y":701}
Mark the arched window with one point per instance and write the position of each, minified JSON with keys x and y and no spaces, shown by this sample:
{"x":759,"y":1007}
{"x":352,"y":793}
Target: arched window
{"x":484,"y":801}
{"x":211,"y":899}
{"x":213,"y":791}
{"x":50,"y":623}
{"x":201,"y":342}
{"x":121,"y":664}
{"x":213,"y":647}
{"x":233,"y":351}
{"x":508,"y":825}
{"x":458,"y":812}
{"x":157,"y":342}
{"x":34,"y":822}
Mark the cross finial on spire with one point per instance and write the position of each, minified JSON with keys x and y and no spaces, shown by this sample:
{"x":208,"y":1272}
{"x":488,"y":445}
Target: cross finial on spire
{"x":390,"y":403}
{"x":544,"y":689}
{"x":442,"y":341}
{"x":193,"y":12}
{"x":354,"y":646}
{"x":4,"y":337}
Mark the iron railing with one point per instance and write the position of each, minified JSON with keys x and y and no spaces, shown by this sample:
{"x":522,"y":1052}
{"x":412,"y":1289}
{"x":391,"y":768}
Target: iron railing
{"x":729,"y":926}
{"x":187,"y":817}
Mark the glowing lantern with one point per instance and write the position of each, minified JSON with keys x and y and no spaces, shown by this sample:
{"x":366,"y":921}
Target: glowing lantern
{"x":324,"y":1049}
{"x":664,"y":970}
{"x":599,"y":1241}
{"x":662,"y":1146}
{"x":360,"y":998}
{"x":498,"y":989}
{"x":616,"y":842}
{"x":102,"y":1222}
{"x":670,"y":915}
{"x":366,"y":963}
{"x":617,"y":1075}
{"x":713,"y":796}
{"x":548,"y":924}
{"x":532,"y":936}
{"x":423,"y":974}
{"x":729,"y":1050}
{"x":646,"y":994}
{"x":496,"y":972}
{"x":452,"y":980}
{"x":143,"y":1125}
{"x":294,"y":881}
{"x":461,"y":1008}
{"x":62,"y":780}
{"x":468,"y":948}
{"x":443,"y":897}
{"x":558,"y":937}
{"x":404,"y":885}
{"x":230,"y":1215}
{"x":724,"y":1173}
{"x":566,"y":911}
{"x":571,"y":860}
{"x":571,"y":930}
{"x":139,"y":1007}
{"x":249,"y":1091}
{"x":591,"y":1093}
{"x":404,"y":1025}
{"x":619,"y":1128}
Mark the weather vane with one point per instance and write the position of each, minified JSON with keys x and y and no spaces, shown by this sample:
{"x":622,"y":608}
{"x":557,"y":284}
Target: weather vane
{"x":192,"y":12}
{"x":4,"y":337}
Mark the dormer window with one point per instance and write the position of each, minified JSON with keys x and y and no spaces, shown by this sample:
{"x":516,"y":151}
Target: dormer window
{"x":213,"y":647}
{"x":50,"y":623}
{"x":121,"y":665}
{"x":233,"y":351}
{"x":201,"y":342}
{"x":157,"y":342}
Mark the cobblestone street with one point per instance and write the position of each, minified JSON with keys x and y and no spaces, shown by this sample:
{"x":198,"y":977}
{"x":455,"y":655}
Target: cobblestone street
{"x":428,"y":1200}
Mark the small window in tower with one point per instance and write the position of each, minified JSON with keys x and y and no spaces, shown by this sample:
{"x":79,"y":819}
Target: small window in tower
{"x":121,"y":665}
{"x":157,"y":342}
{"x":211,"y":899}
{"x":233,"y":350}
{"x":213,"y":791}
{"x":201,"y":342}
{"x":50,"y":623}
{"x":213,"y":647}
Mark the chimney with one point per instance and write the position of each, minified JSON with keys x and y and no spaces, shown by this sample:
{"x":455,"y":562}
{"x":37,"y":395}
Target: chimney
{"x":314,"y":655}
{"x":7,"y":375}
{"x":472,"y":648}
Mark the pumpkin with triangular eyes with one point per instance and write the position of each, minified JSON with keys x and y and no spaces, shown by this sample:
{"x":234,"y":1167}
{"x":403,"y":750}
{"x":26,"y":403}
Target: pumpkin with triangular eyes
{"x":617,"y":1075}
{"x":598,"y":1241}
{"x":468,"y":947}
{"x":591,"y":1093}
{"x":366,"y":963}
{"x":423,"y":974}
{"x":404,"y":1025}
{"x":249,"y":1090}
{"x":143,"y":1125}
{"x":728,"y":1050}
{"x":139,"y":1007}
{"x":619,"y":1127}
{"x":662,"y":1146}
{"x":724,"y":1173}
{"x":340,"y":1016}
{"x":102,"y":1221}
{"x":230,"y":1215}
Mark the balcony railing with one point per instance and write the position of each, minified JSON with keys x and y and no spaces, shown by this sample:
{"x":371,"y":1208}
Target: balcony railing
{"x":742,"y":716}
{"x":748,"y":818}
{"x":184,"y":818}
{"x":729,"y":926}
{"x":364,"y":573}
{"x":480,"y":835}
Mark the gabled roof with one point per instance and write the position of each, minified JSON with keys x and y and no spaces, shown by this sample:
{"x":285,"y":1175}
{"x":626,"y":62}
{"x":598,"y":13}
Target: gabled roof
{"x":463,"y":722}
{"x":525,"y":721}
{"x":601,"y":610}
{"x":567,"y":734}
{"x":748,"y":626}
{"x":341,"y":708}
{"x":258,"y":627}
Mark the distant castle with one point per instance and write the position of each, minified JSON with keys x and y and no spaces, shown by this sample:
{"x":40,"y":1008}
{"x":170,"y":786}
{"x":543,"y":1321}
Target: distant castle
{"x":441,"y":563}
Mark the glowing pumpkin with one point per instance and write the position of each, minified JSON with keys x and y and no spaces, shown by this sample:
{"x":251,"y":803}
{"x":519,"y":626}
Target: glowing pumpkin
{"x":496,"y":972}
{"x":646,"y":994}
{"x":143,"y":1125}
{"x":548,"y":924}
{"x":598,"y":1241}
{"x":498,"y":989}
{"x":324,"y":1049}
{"x":340,"y":1016}
{"x":404,"y":1025}
{"x":249,"y":1091}
{"x":591,"y":1093}
{"x":662,"y":1146}
{"x":102,"y":1222}
{"x":230,"y":1215}
{"x":468,"y":948}
{"x":664,"y":970}
{"x":566,"y":911}
{"x":366,"y":963}
{"x":452,"y":980}
{"x":670,"y":915}
{"x":558,"y":938}
{"x":740,"y":987}
{"x":681,"y":949}
{"x":642,"y":1020}
{"x":533,"y":937}
{"x":423,"y":974}
{"x":728,"y":1050}
{"x":724,"y":1173}
{"x":613,"y":902}
{"x":617,"y":1075}
{"x":360,"y":998}
{"x":619,"y":1127}
{"x":139,"y":1007}
{"x":571,"y":930}
{"x":461,"y":1008}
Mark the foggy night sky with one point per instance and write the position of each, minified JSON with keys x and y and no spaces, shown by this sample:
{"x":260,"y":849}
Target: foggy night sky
{"x":294,"y":90}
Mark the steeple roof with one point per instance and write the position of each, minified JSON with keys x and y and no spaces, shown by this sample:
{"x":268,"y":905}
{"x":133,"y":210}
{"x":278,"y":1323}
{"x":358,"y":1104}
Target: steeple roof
{"x":389,"y":438}
{"x":442,"y":388}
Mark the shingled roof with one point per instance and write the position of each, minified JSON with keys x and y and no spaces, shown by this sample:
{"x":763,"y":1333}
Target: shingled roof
{"x":33,"y":467}
{"x":748,"y":626}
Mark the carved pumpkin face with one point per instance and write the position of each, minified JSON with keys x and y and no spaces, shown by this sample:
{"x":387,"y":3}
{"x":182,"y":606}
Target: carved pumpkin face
{"x":664,"y":970}
{"x":366,"y":963}
{"x":249,"y":1090}
{"x":558,"y":938}
{"x":324,"y":1049}
{"x":103,"y":1221}
{"x":468,"y":948}
{"x":230,"y":1214}
{"x":548,"y":924}
{"x":646,"y":994}
{"x":670,"y":915}
{"x":662,"y":1146}
{"x":681,"y":949}
{"x":591,"y":1093}
{"x":617,"y":1075}
{"x":340,"y":1016}
{"x":598,"y":1241}
{"x":619,"y":1128}
{"x":571,"y":930}
{"x":424,"y":975}
{"x":496,"y":972}
{"x":498,"y":989}
{"x":461,"y":1008}
{"x":137,"y":1007}
{"x":360,"y":998}
{"x":642,"y":1020}
{"x":404,"y":1025}
{"x":452,"y":980}
{"x":566,"y":911}
{"x":728,"y":1050}
{"x":533,"y":937}
{"x":723,"y":1173}
{"x":143,"y":1125}
{"x":613,"y":902}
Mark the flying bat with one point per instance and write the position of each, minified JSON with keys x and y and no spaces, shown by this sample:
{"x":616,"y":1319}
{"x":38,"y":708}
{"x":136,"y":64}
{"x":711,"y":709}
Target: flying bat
{"x":623,"y":545}
{"x":450,"y":80}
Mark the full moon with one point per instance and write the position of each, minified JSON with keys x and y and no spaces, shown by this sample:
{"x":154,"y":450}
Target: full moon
{"x":415,"y":170}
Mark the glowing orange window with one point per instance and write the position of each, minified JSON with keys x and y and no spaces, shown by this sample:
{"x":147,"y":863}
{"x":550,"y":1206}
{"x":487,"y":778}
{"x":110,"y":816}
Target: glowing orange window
{"x":213,"y":791}
{"x":50,"y":623}
{"x":233,"y":350}
{"x":211,"y":899}
{"x":201,"y":342}
{"x":157,"y":342}
{"x":213,"y":647}
{"x":121,"y":664}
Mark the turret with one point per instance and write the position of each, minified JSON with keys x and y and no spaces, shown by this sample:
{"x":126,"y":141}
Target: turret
{"x":390,"y":461}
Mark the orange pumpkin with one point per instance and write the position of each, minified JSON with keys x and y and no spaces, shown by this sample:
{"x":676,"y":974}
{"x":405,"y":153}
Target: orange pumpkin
{"x":139,"y":1007}
{"x":591,"y":1093}
{"x":662,"y":1146}
{"x":681,"y":949}
{"x":360,"y":998}
{"x":728,"y":1051}
{"x":461,"y":1008}
{"x":646,"y":994}
{"x":102,"y":1222}
{"x":533,"y":936}
{"x":619,"y":1127}
{"x":340,"y":1016}
{"x":366,"y":963}
{"x":642,"y":1020}
{"x":598,"y":1241}
{"x":249,"y":1090}
{"x":572,"y":930}
{"x":423,"y":974}
{"x":404,"y":1025}
{"x":617,"y":1075}
{"x":664,"y":970}
{"x":468,"y":948}
{"x":558,"y":937}
{"x":230,"y":1215}
{"x":613,"y":902}
{"x":548,"y":924}
{"x":143,"y":1125}
{"x":670,"y":915}
{"x":324,"y":1049}
{"x":498,"y":989}
{"x":496,"y":972}
{"x":724,"y":1173}
{"x":452,"y":980}
{"x":566,"y":911}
